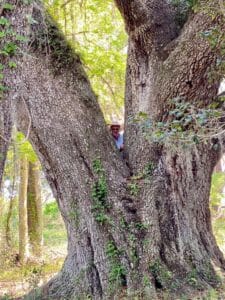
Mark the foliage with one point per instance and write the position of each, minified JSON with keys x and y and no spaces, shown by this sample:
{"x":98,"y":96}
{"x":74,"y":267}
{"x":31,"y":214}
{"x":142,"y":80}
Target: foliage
{"x":161,"y":274}
{"x":117,"y":270}
{"x":24,"y":147}
{"x":133,"y":188}
{"x":99,"y":194}
{"x":40,"y":269}
{"x":217,"y":207}
{"x":185,"y":123}
{"x":10,"y":43}
{"x":95,"y":29}
{"x":97,"y":167}
{"x":217,"y":185}
{"x":51,"y":210}
{"x":31,"y":274}
{"x":54,"y":229}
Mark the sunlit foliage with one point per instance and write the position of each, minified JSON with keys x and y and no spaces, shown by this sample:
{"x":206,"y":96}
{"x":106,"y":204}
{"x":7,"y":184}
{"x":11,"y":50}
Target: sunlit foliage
{"x":217,"y":206}
{"x":96,"y":30}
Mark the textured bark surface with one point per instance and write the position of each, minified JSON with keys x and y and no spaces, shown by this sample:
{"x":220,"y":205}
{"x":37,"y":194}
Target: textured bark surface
{"x":126,"y":235}
{"x":34,"y":209}
{"x":5,"y":131}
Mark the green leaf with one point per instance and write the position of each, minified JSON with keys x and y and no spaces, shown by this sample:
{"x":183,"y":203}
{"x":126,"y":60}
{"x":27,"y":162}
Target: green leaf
{"x":3,"y":88}
{"x":25,"y":148}
{"x":4,"y":21}
{"x":12,"y":64}
{"x":9,"y":48}
{"x":21,"y":38}
{"x":2,"y":34}
{"x":104,"y":57}
{"x":8,"y":6}
{"x":142,"y":115}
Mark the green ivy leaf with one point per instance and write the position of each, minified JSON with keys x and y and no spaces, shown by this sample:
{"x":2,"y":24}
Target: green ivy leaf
{"x":2,"y":34}
{"x":3,"y":88}
{"x":4,"y":21}
{"x":21,"y":38}
{"x":8,"y":6}
{"x":9,"y":48}
{"x":12,"y":64}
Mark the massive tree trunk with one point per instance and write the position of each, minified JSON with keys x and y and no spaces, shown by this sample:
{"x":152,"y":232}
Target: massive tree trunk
{"x":141,"y":225}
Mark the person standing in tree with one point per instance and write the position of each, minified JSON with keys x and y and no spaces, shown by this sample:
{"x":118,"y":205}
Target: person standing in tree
{"x":117,"y":135}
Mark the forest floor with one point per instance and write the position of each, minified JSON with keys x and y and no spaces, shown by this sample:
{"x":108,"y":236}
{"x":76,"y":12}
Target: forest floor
{"x":17,"y":280}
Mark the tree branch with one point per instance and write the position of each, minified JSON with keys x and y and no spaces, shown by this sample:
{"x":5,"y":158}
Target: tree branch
{"x":189,"y":76}
{"x":150,"y":23}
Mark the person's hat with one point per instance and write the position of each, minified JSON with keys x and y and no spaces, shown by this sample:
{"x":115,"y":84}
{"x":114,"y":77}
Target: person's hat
{"x":115,"y":125}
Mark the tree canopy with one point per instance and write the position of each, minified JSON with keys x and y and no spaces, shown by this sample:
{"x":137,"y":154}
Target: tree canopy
{"x":95,"y":30}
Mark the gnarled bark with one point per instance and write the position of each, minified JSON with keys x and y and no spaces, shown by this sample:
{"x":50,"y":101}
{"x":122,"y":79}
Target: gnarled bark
{"x":143,"y":233}
{"x":5,"y":131}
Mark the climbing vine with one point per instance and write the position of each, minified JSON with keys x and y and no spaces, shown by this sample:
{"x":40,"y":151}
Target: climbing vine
{"x":185,"y":123}
{"x":117,"y":270}
{"x":10,"y":43}
{"x":99,"y":194}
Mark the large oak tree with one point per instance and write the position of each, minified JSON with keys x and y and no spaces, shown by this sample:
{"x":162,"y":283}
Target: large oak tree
{"x":138,"y":225}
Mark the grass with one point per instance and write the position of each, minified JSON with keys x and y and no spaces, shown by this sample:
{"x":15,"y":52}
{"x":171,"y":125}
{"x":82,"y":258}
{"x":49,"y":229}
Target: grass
{"x":17,"y":280}
{"x":54,"y":234}
{"x":17,"y":273}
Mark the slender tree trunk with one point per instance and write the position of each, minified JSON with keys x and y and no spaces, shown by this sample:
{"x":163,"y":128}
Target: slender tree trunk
{"x":12,"y":200}
{"x":34,"y":209}
{"x":143,"y":233}
{"x":23,"y":229}
{"x":8,"y":236}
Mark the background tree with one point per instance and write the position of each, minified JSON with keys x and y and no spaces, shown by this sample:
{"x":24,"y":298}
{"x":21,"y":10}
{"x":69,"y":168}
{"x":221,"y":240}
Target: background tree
{"x":34,"y":209}
{"x":23,"y":226}
{"x":21,"y":149}
{"x":12,"y":172}
{"x":33,"y":194}
{"x":146,"y":226}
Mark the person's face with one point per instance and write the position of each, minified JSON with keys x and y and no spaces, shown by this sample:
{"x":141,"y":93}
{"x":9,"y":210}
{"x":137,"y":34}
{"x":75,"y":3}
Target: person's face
{"x":115,"y":131}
